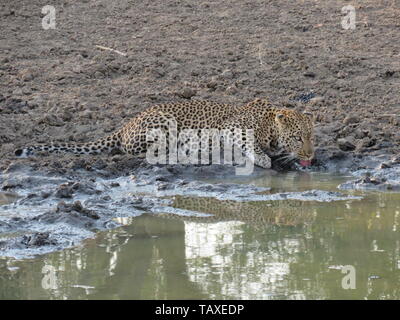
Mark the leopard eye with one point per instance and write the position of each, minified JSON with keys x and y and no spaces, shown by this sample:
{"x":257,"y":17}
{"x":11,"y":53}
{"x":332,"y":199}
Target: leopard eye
{"x":297,"y":138}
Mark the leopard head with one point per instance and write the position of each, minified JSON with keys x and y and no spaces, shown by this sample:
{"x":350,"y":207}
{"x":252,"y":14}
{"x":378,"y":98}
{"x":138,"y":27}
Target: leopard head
{"x":296,"y":135}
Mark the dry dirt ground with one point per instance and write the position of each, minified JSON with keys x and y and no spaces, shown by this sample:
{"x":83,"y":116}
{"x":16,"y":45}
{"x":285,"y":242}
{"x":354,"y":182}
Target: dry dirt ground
{"x":56,"y":85}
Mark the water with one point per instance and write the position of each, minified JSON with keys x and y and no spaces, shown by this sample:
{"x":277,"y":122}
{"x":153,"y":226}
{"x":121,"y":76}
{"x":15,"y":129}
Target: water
{"x":253,"y":250}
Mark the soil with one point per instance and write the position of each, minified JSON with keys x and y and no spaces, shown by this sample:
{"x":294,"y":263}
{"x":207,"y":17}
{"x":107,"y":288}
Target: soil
{"x":56,"y":85}
{"x":61,"y":85}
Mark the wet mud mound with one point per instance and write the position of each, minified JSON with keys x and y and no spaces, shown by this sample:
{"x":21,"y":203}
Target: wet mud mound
{"x":52,"y":213}
{"x":384,"y":178}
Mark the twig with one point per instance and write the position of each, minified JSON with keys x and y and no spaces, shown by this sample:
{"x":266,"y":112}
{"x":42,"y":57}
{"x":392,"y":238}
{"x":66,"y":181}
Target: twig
{"x":113,"y":50}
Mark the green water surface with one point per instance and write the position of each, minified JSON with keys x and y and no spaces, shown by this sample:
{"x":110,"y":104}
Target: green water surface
{"x":253,"y":250}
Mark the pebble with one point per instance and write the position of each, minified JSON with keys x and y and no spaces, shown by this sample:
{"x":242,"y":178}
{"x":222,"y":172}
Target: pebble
{"x":212,"y":84}
{"x":28,"y":76}
{"x":351,"y":119}
{"x":345,"y":144}
{"x":77,"y":207}
{"x":26,"y":90}
{"x":227,"y":74}
{"x":52,"y":120}
{"x":310,"y":74}
{"x":17,"y":92}
{"x":231,"y":90}
{"x":38,"y":239}
{"x":316,"y":100}
{"x":64,"y":191}
{"x":187,"y":93}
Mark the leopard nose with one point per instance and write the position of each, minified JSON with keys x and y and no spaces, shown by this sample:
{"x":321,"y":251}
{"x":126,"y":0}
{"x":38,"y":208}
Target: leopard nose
{"x":309,"y":151}
{"x":310,"y":155}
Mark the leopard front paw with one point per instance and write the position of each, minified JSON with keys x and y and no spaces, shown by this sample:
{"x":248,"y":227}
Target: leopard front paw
{"x":263,"y":161}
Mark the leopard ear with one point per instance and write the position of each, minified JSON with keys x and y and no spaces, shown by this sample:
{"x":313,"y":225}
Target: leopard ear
{"x":310,"y":115}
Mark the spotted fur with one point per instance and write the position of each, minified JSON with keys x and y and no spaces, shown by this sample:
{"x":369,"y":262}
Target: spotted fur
{"x":257,"y":214}
{"x":276,"y":131}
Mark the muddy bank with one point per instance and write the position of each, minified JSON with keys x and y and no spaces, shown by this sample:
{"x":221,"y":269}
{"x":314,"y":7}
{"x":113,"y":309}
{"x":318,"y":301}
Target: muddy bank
{"x":56,"y":211}
{"x":53,"y":207}
{"x":386,"y":178}
{"x":57,"y":85}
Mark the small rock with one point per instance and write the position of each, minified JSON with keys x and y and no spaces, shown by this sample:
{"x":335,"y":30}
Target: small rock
{"x":28,"y":75}
{"x":32,"y":105}
{"x":316,"y":100}
{"x":37,"y":239}
{"x":26,"y":90}
{"x":10,"y":184}
{"x":52,"y":120}
{"x":66,"y":116}
{"x":77,"y":164}
{"x":345,"y":145}
{"x":212,"y":84}
{"x":17,"y":92}
{"x":77,"y":69}
{"x":38,"y":100}
{"x":366,"y":143}
{"x":395,"y":120}
{"x":231,"y":90}
{"x":187,"y":93}
{"x":161,"y":178}
{"x":99,"y":164}
{"x":388,"y":74}
{"x":310,"y":74}
{"x":161,"y":186}
{"x":341,"y":75}
{"x":359,"y":134}
{"x":384,"y":165}
{"x":87,"y":114}
{"x":64,"y":191}
{"x":395,"y":160}
{"x":76,"y":207}
{"x":45,"y":194}
{"x":351,"y":119}
{"x":227,"y":74}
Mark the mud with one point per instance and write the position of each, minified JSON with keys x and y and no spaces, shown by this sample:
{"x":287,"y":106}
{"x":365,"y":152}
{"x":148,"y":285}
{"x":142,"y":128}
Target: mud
{"x":385,"y":178}
{"x":53,"y":213}
{"x":57,"y":85}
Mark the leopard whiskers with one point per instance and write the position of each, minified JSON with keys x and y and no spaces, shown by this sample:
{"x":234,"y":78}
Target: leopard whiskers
{"x":285,"y":160}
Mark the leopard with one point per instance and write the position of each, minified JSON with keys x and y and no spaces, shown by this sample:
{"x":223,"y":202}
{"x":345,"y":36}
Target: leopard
{"x":285,"y":213}
{"x":286,"y":133}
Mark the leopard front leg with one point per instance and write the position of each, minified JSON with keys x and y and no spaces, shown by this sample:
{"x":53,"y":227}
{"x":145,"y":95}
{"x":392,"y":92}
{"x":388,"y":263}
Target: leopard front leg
{"x":251,"y":149}
{"x":261,"y":159}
